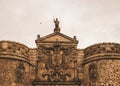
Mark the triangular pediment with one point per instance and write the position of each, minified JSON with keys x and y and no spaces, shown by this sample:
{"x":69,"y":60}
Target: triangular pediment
{"x":57,"y":37}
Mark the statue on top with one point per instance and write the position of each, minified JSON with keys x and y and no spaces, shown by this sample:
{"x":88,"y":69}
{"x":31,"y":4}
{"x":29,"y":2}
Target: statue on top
{"x":56,"y":23}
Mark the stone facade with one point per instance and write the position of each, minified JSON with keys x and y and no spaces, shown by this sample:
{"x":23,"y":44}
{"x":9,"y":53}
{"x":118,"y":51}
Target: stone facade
{"x":102,"y":65}
{"x":56,"y":61}
{"x":14,"y":64}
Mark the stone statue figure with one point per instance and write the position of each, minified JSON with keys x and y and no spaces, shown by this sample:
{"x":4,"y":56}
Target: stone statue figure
{"x":56,"y":23}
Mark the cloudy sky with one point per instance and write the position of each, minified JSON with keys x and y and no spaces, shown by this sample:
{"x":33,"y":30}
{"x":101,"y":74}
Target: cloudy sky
{"x":92,"y":21}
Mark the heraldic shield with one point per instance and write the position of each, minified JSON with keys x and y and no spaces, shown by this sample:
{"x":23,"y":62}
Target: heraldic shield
{"x":56,"y":57}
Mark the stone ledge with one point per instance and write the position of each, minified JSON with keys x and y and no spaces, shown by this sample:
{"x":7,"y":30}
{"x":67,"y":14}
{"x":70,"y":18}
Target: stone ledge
{"x":9,"y":56}
{"x":102,"y":48}
{"x":56,"y":83}
{"x":99,"y":57}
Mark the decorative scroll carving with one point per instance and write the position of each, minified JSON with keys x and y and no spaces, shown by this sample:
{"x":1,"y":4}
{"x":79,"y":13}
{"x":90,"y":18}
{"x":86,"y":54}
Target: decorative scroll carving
{"x":56,"y":76}
{"x":19,"y":72}
{"x":93,"y":72}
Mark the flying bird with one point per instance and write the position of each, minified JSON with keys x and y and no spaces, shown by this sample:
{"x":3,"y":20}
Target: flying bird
{"x":40,"y":22}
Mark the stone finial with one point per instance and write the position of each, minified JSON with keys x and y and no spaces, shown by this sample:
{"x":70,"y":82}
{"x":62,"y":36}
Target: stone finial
{"x":38,"y":36}
{"x":75,"y":37}
{"x":57,"y":28}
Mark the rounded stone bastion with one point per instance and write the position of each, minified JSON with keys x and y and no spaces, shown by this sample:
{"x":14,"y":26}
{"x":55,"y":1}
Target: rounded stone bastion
{"x":14,"y":64}
{"x":102,"y":65}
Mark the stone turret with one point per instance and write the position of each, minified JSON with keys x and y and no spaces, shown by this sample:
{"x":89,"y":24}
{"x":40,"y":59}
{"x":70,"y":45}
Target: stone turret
{"x":14,"y":64}
{"x":102,"y":65}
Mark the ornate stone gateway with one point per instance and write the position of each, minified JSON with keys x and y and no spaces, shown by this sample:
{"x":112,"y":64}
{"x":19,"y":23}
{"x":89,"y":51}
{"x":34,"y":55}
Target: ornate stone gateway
{"x":56,"y":61}
{"x":56,"y":64}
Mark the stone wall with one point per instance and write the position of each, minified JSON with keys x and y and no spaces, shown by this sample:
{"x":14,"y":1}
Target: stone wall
{"x":79,"y":59}
{"x":102,"y":65}
{"x":102,"y":48}
{"x":14,"y":50}
{"x":97,"y":65}
{"x":104,"y":72}
{"x":14,"y":73}
{"x":15,"y":66}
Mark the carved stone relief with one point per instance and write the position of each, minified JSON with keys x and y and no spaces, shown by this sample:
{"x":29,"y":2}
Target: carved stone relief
{"x":19,"y":72}
{"x":93,"y":72}
{"x":57,"y":63}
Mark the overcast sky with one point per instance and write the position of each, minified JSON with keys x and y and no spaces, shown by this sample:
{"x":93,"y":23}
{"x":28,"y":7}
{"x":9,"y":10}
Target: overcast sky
{"x":92,"y":21}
